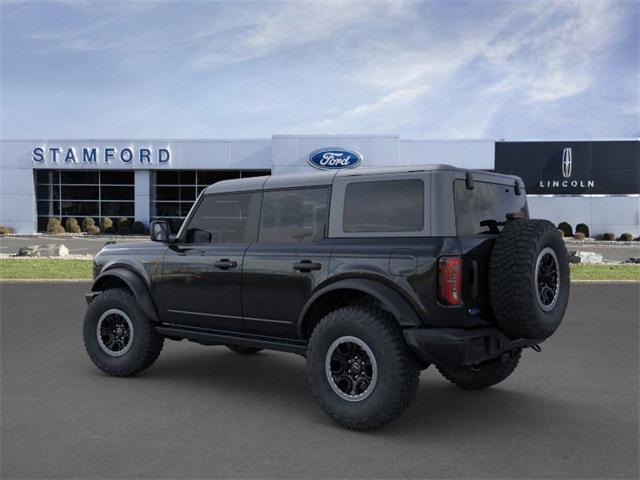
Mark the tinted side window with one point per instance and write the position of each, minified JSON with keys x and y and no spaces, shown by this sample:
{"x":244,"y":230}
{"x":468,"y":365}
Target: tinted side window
{"x":487,"y":201}
{"x":294,"y":216}
{"x":225,"y":218}
{"x":385,"y":206}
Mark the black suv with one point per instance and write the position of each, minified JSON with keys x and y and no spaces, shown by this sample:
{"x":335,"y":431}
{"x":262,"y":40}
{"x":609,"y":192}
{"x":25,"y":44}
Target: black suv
{"x":372,"y":275}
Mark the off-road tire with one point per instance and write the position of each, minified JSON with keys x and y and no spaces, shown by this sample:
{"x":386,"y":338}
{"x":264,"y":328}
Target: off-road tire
{"x":146,"y":343}
{"x":398,"y":372}
{"x":483,"y":375}
{"x":243,"y":350}
{"x":513,"y":290}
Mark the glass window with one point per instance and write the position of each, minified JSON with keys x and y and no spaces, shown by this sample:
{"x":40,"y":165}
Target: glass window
{"x":43,"y":176}
{"x":487,"y":201}
{"x":226,"y":218}
{"x":117,"y":209}
{"x":294,"y":216}
{"x":43,"y":208}
{"x":77,"y":192}
{"x":168,"y":178}
{"x":80,"y":209}
{"x":208,"y":177}
{"x":117,"y":178}
{"x":385,"y":206}
{"x":74,"y":177}
{"x":116,"y":193}
{"x":42,"y":191}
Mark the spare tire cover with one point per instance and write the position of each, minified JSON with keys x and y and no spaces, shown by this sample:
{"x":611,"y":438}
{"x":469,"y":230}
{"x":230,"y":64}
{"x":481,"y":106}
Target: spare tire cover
{"x":529,"y":279}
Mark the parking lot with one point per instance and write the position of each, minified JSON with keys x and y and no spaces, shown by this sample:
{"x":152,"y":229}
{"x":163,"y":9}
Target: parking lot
{"x":568,"y":412}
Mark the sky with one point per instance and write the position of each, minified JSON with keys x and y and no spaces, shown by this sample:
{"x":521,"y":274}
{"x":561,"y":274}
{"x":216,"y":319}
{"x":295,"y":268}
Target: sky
{"x":420,"y":70}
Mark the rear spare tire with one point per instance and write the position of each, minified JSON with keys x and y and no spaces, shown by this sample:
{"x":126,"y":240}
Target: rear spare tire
{"x":529,"y":279}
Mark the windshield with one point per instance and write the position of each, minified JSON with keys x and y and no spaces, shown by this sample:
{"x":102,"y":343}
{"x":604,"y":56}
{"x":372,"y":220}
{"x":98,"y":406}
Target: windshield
{"x":486,"y":202}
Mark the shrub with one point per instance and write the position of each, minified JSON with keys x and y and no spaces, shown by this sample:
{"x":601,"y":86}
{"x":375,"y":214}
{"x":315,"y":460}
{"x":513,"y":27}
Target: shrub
{"x":579,"y":236}
{"x":607,"y":236}
{"x":71,"y":225}
{"x":52,"y":224}
{"x":4,"y":230}
{"x":566,"y":228}
{"x":93,"y":230}
{"x":88,"y":222}
{"x":561,"y":233}
{"x":138,"y":228}
{"x":626,"y":237}
{"x":583,"y":228}
{"x":57,"y":230}
{"x":106,"y":224}
{"x":124,"y":226}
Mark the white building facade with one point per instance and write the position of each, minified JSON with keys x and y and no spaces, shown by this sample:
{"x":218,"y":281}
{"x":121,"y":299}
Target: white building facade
{"x":143,"y":180}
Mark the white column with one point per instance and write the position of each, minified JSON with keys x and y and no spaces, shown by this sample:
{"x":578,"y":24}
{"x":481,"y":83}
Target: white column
{"x":142,"y":187}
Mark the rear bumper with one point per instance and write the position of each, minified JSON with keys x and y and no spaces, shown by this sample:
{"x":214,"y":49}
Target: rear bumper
{"x":460,"y":347}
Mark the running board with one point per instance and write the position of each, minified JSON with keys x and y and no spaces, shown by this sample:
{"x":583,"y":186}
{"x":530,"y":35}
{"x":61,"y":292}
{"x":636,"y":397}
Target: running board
{"x":217,"y":337}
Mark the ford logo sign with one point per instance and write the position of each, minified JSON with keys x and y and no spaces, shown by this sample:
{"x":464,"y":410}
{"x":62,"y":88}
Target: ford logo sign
{"x":334,"y":158}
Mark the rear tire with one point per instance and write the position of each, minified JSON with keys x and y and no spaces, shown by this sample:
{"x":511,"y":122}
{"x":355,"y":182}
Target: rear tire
{"x":529,"y":279}
{"x":119,"y":338}
{"x":483,"y":375}
{"x":360,"y":369}
{"x":243,"y":350}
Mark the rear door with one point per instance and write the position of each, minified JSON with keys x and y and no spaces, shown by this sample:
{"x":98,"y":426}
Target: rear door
{"x":202,"y":271}
{"x":289,"y":260}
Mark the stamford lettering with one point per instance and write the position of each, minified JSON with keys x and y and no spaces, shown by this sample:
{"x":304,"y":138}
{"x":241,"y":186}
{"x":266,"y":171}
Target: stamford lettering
{"x":108,"y":155}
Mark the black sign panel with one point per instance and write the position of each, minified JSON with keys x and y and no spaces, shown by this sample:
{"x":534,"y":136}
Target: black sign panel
{"x":598,"y":167}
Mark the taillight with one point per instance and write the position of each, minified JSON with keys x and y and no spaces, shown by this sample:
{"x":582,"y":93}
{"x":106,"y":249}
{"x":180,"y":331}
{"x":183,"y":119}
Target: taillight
{"x":450,"y":280}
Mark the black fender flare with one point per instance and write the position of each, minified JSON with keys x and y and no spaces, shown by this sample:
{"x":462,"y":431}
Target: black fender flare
{"x":390,"y":300}
{"x":137,"y":286}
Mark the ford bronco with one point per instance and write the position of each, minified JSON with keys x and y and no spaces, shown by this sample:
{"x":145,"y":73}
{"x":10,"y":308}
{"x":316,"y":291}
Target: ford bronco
{"x":372,"y":275}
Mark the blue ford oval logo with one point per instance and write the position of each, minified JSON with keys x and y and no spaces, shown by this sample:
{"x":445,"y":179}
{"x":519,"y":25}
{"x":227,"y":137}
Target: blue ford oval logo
{"x":334,"y":158}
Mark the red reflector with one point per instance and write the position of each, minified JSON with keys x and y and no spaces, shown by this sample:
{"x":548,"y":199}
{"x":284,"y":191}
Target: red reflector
{"x":450,"y":280}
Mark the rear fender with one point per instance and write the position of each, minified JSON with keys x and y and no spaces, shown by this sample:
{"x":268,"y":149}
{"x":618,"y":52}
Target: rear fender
{"x":389,"y":299}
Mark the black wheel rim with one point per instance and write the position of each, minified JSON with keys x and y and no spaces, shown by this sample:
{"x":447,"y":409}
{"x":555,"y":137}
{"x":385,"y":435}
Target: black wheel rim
{"x":351,"y":368}
{"x":114,"y":332}
{"x":547,"y":279}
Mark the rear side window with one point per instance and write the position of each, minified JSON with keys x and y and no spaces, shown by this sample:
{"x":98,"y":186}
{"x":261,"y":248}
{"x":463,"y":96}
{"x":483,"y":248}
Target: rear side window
{"x":487,"y":201}
{"x":225,"y":218}
{"x":294,"y":216}
{"x":384,"y":206}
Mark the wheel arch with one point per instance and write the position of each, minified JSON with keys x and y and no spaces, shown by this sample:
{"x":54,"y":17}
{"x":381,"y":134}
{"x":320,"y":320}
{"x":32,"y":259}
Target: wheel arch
{"x":122,"y":277}
{"x":347,"y":291}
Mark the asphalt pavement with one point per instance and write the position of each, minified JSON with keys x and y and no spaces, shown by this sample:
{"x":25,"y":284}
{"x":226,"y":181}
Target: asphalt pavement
{"x":568,"y":412}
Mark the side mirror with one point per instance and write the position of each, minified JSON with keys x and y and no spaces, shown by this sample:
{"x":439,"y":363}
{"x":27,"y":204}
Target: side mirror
{"x":160,"y":231}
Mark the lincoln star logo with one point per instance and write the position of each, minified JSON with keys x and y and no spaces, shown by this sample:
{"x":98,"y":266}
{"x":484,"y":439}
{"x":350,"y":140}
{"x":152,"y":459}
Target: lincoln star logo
{"x":334,"y":158}
{"x":567,"y":160}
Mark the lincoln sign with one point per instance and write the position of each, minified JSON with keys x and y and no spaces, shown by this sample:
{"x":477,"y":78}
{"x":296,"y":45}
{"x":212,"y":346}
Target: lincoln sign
{"x":574,"y":168}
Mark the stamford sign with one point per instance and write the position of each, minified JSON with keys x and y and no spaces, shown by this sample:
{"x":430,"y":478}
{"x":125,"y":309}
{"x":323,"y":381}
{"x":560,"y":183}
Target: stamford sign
{"x":334,"y":158}
{"x":95,"y":155}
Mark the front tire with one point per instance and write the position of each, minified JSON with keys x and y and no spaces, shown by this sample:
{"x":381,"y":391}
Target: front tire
{"x":484,"y":375}
{"x":360,"y":369}
{"x":119,"y":338}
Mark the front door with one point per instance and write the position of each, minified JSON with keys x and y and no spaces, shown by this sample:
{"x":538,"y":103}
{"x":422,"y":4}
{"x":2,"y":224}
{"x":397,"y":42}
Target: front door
{"x":202,"y":270}
{"x":289,"y":260}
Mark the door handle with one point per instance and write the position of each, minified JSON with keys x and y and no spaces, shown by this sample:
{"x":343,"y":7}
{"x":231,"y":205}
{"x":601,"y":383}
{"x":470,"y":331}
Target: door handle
{"x":225,"y":264}
{"x":306,"y":266}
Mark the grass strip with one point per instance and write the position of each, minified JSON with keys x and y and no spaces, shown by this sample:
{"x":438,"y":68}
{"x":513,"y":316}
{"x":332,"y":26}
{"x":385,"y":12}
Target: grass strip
{"x":40,"y":269}
{"x":43,"y":269}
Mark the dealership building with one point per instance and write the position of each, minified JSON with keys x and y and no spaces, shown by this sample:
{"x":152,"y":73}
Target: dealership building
{"x":596,"y":182}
